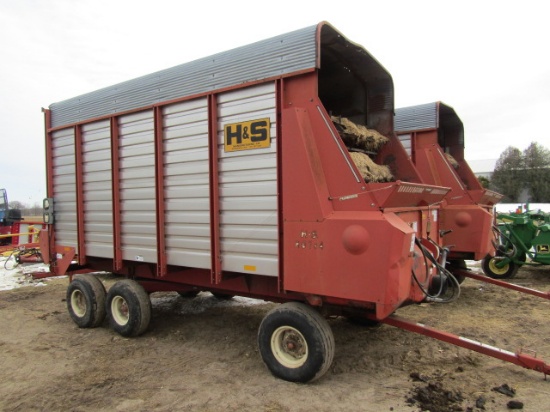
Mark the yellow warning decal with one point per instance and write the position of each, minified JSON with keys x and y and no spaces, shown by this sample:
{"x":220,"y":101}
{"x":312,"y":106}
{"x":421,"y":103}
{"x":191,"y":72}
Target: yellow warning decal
{"x":250,"y":268}
{"x":254,"y":134}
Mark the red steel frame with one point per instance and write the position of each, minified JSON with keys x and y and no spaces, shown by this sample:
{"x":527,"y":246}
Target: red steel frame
{"x":518,"y":358}
{"x":517,"y":288}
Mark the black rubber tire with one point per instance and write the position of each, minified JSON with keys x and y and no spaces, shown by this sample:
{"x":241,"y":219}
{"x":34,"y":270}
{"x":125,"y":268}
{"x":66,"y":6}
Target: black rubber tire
{"x":86,"y":301}
{"x":489,"y":268}
{"x":129,"y":308}
{"x":296,"y":343}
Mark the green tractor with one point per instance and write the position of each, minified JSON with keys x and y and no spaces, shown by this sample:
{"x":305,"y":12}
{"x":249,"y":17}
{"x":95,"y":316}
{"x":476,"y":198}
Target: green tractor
{"x":520,"y":235}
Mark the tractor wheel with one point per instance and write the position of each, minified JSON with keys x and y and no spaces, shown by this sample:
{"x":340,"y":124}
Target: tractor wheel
{"x":128,"y":307}
{"x":296,"y":343}
{"x":86,"y":301}
{"x":488,"y":264}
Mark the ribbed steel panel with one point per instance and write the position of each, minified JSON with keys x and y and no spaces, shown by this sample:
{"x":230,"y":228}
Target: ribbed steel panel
{"x":277,"y":56}
{"x":137,"y":187}
{"x":64,"y":187}
{"x":248,"y":187}
{"x":431,"y":116}
{"x":186,"y":184}
{"x":423,"y":116}
{"x":97,"y":187}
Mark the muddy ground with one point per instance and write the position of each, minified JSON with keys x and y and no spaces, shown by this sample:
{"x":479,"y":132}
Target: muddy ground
{"x":201,"y":355}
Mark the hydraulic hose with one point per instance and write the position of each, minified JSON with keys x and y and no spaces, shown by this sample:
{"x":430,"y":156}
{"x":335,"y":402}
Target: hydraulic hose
{"x":442,"y":271}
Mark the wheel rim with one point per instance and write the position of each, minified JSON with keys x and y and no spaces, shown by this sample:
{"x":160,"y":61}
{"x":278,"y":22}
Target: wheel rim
{"x":119,"y":310}
{"x":78,"y":303}
{"x":496,"y":270}
{"x":289,"y":347}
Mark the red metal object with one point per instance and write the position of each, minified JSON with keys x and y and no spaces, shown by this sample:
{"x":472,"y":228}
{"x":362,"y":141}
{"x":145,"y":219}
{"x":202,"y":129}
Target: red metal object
{"x":20,"y":234}
{"x":518,"y":358}
{"x":517,"y":288}
{"x":22,"y":245}
{"x":332,"y":221}
{"x":61,"y":259}
{"x":466,"y":212}
{"x":333,"y":240}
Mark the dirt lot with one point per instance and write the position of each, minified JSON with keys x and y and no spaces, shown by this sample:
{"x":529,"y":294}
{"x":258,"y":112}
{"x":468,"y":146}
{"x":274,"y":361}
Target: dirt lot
{"x":200,"y":355}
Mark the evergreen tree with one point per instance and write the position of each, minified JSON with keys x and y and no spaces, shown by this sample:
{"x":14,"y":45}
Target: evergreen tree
{"x":516,"y":171}
{"x":484,"y":182}
{"x":506,"y":178}
{"x":537,"y":172}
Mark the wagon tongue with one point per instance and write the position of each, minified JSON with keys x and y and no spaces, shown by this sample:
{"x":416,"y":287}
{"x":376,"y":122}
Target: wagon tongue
{"x":403,"y":194}
{"x":518,"y":358}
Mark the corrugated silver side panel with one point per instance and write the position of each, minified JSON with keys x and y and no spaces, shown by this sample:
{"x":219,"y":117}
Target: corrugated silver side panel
{"x":186,"y":184}
{"x":64,"y":187}
{"x":137,"y":187}
{"x":248,"y":187}
{"x":406,"y":142}
{"x":423,"y":116}
{"x":97,"y":184}
{"x":280,"y":55}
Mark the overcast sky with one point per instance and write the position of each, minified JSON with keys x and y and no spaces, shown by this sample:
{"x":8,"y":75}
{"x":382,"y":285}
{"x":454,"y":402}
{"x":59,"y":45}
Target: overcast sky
{"x":489,"y":60}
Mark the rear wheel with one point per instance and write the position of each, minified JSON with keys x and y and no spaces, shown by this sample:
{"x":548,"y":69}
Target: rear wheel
{"x":296,"y":343}
{"x":128,"y":307}
{"x":86,"y":301}
{"x":490,"y":268}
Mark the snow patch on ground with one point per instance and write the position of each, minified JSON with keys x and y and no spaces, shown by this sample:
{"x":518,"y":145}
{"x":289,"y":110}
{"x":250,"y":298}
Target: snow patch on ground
{"x":14,"y":275}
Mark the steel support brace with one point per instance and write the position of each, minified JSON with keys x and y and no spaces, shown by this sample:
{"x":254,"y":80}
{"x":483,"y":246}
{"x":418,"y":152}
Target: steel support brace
{"x":520,"y":359}
{"x":517,"y":288}
{"x":215,"y":231}
{"x":159,"y":195}
{"x":79,"y":177}
{"x":115,"y":187}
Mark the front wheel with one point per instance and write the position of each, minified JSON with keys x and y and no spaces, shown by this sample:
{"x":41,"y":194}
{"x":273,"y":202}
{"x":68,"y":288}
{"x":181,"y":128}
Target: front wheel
{"x":488,"y":264}
{"x":296,"y":343}
{"x":128,"y":307}
{"x":86,"y":301}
